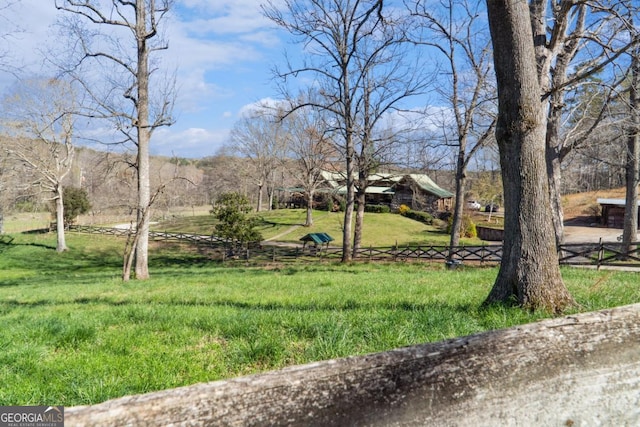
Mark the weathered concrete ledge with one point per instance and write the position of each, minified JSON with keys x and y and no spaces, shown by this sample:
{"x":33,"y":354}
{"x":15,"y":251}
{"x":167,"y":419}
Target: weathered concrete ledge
{"x":581,"y":370}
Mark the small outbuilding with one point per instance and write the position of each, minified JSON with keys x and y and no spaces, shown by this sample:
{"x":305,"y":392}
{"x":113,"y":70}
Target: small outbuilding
{"x":613,"y":212}
{"x":318,"y":239}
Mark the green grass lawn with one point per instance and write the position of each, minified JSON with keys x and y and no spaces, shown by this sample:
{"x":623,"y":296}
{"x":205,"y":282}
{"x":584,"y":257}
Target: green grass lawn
{"x":380,"y":230}
{"x":17,"y":222}
{"x":74,"y":333}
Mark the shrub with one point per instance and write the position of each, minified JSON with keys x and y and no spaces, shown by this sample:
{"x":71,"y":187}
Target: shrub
{"x":420,"y":216}
{"x":75,"y":202}
{"x":470,"y":230}
{"x":404,"y":210}
{"x":232,"y":210}
{"x":467,"y":229}
{"x":377,"y":208}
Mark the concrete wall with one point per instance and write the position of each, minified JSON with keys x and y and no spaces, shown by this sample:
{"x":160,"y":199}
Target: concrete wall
{"x":581,"y":370}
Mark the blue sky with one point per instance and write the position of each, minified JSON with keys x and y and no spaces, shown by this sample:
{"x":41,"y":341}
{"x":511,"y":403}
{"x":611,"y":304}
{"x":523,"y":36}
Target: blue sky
{"x":224,"y":51}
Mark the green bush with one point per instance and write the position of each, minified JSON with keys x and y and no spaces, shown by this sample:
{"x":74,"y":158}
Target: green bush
{"x":467,"y":229}
{"x":377,"y":208}
{"x":232,"y":210}
{"x":76,"y":202}
{"x":424,"y":217}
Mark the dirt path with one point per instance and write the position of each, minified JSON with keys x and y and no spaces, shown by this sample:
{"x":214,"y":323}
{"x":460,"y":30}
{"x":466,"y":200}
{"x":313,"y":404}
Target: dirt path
{"x":284,"y":233}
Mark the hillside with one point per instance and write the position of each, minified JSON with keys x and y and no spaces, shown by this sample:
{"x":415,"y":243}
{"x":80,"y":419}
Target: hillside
{"x":582,"y":208}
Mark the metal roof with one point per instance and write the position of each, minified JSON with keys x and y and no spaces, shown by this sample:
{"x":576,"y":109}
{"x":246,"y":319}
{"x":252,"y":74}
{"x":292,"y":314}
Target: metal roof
{"x":317,"y":238}
{"x":370,"y":190}
{"x":336,"y":181}
{"x":427,"y":184}
{"x":616,"y":202}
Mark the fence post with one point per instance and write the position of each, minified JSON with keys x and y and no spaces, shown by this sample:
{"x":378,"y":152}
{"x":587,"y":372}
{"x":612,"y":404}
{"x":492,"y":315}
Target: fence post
{"x":600,"y":254}
{"x":395,"y":251}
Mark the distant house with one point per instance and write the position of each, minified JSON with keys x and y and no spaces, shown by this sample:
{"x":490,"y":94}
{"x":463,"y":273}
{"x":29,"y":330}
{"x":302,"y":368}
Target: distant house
{"x":613,"y":212}
{"x":417,"y":191}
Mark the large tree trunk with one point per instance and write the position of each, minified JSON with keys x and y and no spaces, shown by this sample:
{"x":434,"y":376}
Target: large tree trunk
{"x":260,"y":195}
{"x":348,"y":211}
{"x":309,"y":217}
{"x":554,"y":171}
{"x":359,"y":223}
{"x":270,"y":193}
{"x":555,"y":152}
{"x":458,"y":207}
{"x":144,"y":136}
{"x":630,"y":232}
{"x":529,"y":272}
{"x":61,"y":245}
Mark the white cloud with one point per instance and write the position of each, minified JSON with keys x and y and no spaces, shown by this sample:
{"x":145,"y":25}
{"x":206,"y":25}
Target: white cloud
{"x":221,"y":50}
{"x":191,"y":142}
{"x":262,"y":105}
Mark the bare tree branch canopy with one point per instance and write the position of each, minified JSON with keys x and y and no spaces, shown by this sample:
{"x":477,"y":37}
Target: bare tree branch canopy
{"x":38,"y":117}
{"x":261,"y":138}
{"x":575,"y":42}
{"x":632,"y":167}
{"x":312,"y":149}
{"x":358,"y":66}
{"x":100,"y":33}
{"x":454,"y":32}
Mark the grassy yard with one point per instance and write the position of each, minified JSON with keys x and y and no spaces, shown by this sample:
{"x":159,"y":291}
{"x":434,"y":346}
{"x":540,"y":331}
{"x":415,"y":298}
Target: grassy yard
{"x":74,"y":333}
{"x":380,"y":230}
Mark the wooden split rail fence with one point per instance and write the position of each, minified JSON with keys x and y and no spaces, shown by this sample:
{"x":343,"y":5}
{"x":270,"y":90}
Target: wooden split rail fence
{"x":592,"y":254}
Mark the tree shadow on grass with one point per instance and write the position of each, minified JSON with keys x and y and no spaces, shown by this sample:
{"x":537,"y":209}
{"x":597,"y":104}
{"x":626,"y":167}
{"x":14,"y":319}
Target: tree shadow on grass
{"x":264,"y":223}
{"x":37,"y":231}
{"x":312,"y":306}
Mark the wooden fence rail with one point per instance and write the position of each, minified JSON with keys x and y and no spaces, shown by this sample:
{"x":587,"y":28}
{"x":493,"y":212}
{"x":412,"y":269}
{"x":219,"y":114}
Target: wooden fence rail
{"x":593,"y":254}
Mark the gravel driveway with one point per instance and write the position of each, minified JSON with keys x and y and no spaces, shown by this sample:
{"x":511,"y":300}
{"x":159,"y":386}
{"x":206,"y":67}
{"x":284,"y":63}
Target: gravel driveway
{"x":590,"y":234}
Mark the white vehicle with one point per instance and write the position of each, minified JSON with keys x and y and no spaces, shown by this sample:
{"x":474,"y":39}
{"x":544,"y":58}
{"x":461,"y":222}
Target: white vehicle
{"x":473,"y":205}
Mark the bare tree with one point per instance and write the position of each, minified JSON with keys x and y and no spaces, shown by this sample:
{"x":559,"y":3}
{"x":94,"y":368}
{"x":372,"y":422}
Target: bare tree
{"x":630,"y":231}
{"x":4,"y":187}
{"x":140,"y":22}
{"x":8,"y":29}
{"x":261,"y":138}
{"x":312,"y":150}
{"x":386,"y":80}
{"x":39,"y":118}
{"x":333,"y":31}
{"x":529,"y":271}
{"x":224,"y":173}
{"x":575,"y":40}
{"x":354,"y":59}
{"x":454,"y":33}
